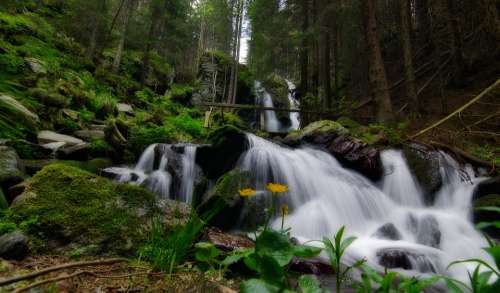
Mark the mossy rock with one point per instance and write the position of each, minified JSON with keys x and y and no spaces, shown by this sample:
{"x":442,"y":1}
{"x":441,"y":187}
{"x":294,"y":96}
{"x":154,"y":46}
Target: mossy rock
{"x":74,"y":208}
{"x":11,"y":168}
{"x":227,"y":145}
{"x":4,"y":204}
{"x":425,"y":166}
{"x":278,"y":88}
{"x":323,"y":127}
{"x":225,"y":193}
{"x":50,"y":98}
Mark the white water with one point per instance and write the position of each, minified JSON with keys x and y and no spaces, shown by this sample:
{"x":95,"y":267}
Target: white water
{"x":158,"y":179}
{"x":188,"y":173}
{"x":324,"y":196}
{"x":272,"y":123}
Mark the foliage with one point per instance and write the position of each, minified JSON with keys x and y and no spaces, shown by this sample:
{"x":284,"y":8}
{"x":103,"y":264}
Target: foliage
{"x":141,"y":137}
{"x":335,"y":251}
{"x":186,"y":123}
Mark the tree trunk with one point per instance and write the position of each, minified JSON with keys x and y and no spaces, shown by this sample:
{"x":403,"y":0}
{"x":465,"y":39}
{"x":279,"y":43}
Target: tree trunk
{"x":316,"y":54}
{"x":121,"y":43}
{"x":376,"y":70}
{"x":456,"y":42}
{"x":156,"y":12}
{"x":304,"y":50}
{"x":101,"y":7}
{"x":423,"y":21}
{"x":234,"y":53}
{"x":238,"y":48}
{"x":491,"y":21}
{"x":411,"y":90}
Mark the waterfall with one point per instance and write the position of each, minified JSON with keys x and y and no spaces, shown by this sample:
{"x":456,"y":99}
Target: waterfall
{"x":272,"y":123}
{"x":188,"y":173}
{"x":294,"y":104}
{"x":169,"y":173}
{"x":389,"y":220}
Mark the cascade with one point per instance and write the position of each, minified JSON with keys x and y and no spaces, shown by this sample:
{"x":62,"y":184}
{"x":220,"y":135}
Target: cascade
{"x":393,"y":226}
{"x":272,"y":123}
{"x":163,"y":169}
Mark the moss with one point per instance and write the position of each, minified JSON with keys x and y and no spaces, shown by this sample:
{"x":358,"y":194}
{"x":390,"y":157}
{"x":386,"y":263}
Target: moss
{"x":92,"y":166}
{"x":181,"y":93}
{"x":323,"y":126}
{"x":141,"y":137}
{"x":75,"y":206}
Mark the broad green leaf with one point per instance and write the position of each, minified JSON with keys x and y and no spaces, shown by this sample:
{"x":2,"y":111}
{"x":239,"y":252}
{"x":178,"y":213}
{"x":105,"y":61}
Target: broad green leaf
{"x":306,"y":251}
{"x":271,"y":271}
{"x":206,"y":252}
{"x":454,"y":286}
{"x":276,"y":245}
{"x":309,"y":284}
{"x":348,"y":241}
{"x":251,"y":262}
{"x":257,"y":286}
{"x":236,"y":256}
{"x":483,"y":225}
{"x":488,"y":209}
{"x":494,"y":251}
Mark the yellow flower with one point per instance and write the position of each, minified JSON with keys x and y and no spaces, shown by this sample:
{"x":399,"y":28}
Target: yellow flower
{"x":284,"y":210}
{"x":277,"y":188}
{"x":247,"y":192}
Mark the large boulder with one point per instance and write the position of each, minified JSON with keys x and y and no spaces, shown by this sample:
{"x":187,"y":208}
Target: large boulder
{"x":11,"y":168}
{"x":425,"y":166}
{"x":351,"y":152}
{"x":14,"y":245}
{"x":225,"y":196}
{"x":73,"y":208}
{"x":221,"y":156}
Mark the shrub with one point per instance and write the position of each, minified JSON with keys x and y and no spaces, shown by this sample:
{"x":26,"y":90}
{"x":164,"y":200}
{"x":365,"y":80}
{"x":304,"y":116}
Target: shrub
{"x":141,"y":137}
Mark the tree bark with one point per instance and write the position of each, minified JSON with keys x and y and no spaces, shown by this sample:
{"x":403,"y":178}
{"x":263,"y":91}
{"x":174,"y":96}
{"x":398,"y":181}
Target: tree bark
{"x":238,"y":48}
{"x":376,"y":70}
{"x":456,"y":42}
{"x":156,"y":13}
{"x":411,"y":90}
{"x":304,"y":50}
{"x":96,"y":29}
{"x":123,"y":35}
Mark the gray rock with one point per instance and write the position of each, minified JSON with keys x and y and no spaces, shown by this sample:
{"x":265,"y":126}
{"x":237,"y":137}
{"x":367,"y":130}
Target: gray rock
{"x":53,"y":146}
{"x":428,"y":232}
{"x":19,"y":110}
{"x":11,"y":167}
{"x":388,"y":231}
{"x":89,"y":135}
{"x":406,"y":259}
{"x":14,"y":245}
{"x":47,"y":136}
{"x":78,"y":152}
{"x":16,"y":190}
{"x":35,"y":65}
{"x":70,"y":114}
{"x":125,"y":108}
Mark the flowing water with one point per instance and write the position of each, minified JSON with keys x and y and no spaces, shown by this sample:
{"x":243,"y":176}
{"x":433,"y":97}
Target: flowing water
{"x":390,"y":220}
{"x":272,"y":123}
{"x":160,"y":168}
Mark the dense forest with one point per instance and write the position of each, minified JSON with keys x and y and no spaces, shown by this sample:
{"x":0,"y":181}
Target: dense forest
{"x":249,"y":145}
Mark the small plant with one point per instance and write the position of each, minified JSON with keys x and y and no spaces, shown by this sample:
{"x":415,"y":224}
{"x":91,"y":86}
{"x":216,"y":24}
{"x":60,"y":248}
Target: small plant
{"x":335,"y":251}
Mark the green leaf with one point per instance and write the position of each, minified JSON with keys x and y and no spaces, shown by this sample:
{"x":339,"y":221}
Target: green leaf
{"x":309,"y":284}
{"x":257,"y":286}
{"x":236,"y":256}
{"x":206,"y":252}
{"x":483,"y":225}
{"x":306,"y":251}
{"x":276,"y":245}
{"x":251,"y":262}
{"x":271,"y":271}
{"x":494,"y":251}
{"x":346,"y":243}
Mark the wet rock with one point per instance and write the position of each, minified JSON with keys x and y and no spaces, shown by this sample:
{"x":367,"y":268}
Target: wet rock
{"x":388,"y":231}
{"x":226,"y":241}
{"x":406,"y":259}
{"x":125,"y":108}
{"x":14,"y":245}
{"x":19,"y":111}
{"x":227,"y":145}
{"x":311,"y":266}
{"x":225,"y":194}
{"x":89,"y":135}
{"x":46,"y":136}
{"x":424,"y":165}
{"x":72,"y":114}
{"x":428,"y":232}
{"x":322,"y":131}
{"x":16,"y":190}
{"x":490,"y":200}
{"x":487,"y":187}
{"x":357,"y":155}
{"x":11,"y":168}
{"x":53,"y":146}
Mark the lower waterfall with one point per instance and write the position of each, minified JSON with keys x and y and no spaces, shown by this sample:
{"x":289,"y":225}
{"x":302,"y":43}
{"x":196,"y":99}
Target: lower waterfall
{"x":390,"y":220}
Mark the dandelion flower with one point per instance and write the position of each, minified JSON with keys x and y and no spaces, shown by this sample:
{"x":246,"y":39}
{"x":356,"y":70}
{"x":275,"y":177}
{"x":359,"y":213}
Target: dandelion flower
{"x":247,"y":192}
{"x":277,"y":188}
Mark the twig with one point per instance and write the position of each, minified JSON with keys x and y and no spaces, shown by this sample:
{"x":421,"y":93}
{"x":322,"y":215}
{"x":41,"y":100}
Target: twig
{"x":482,"y":94}
{"x":60,"y":267}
